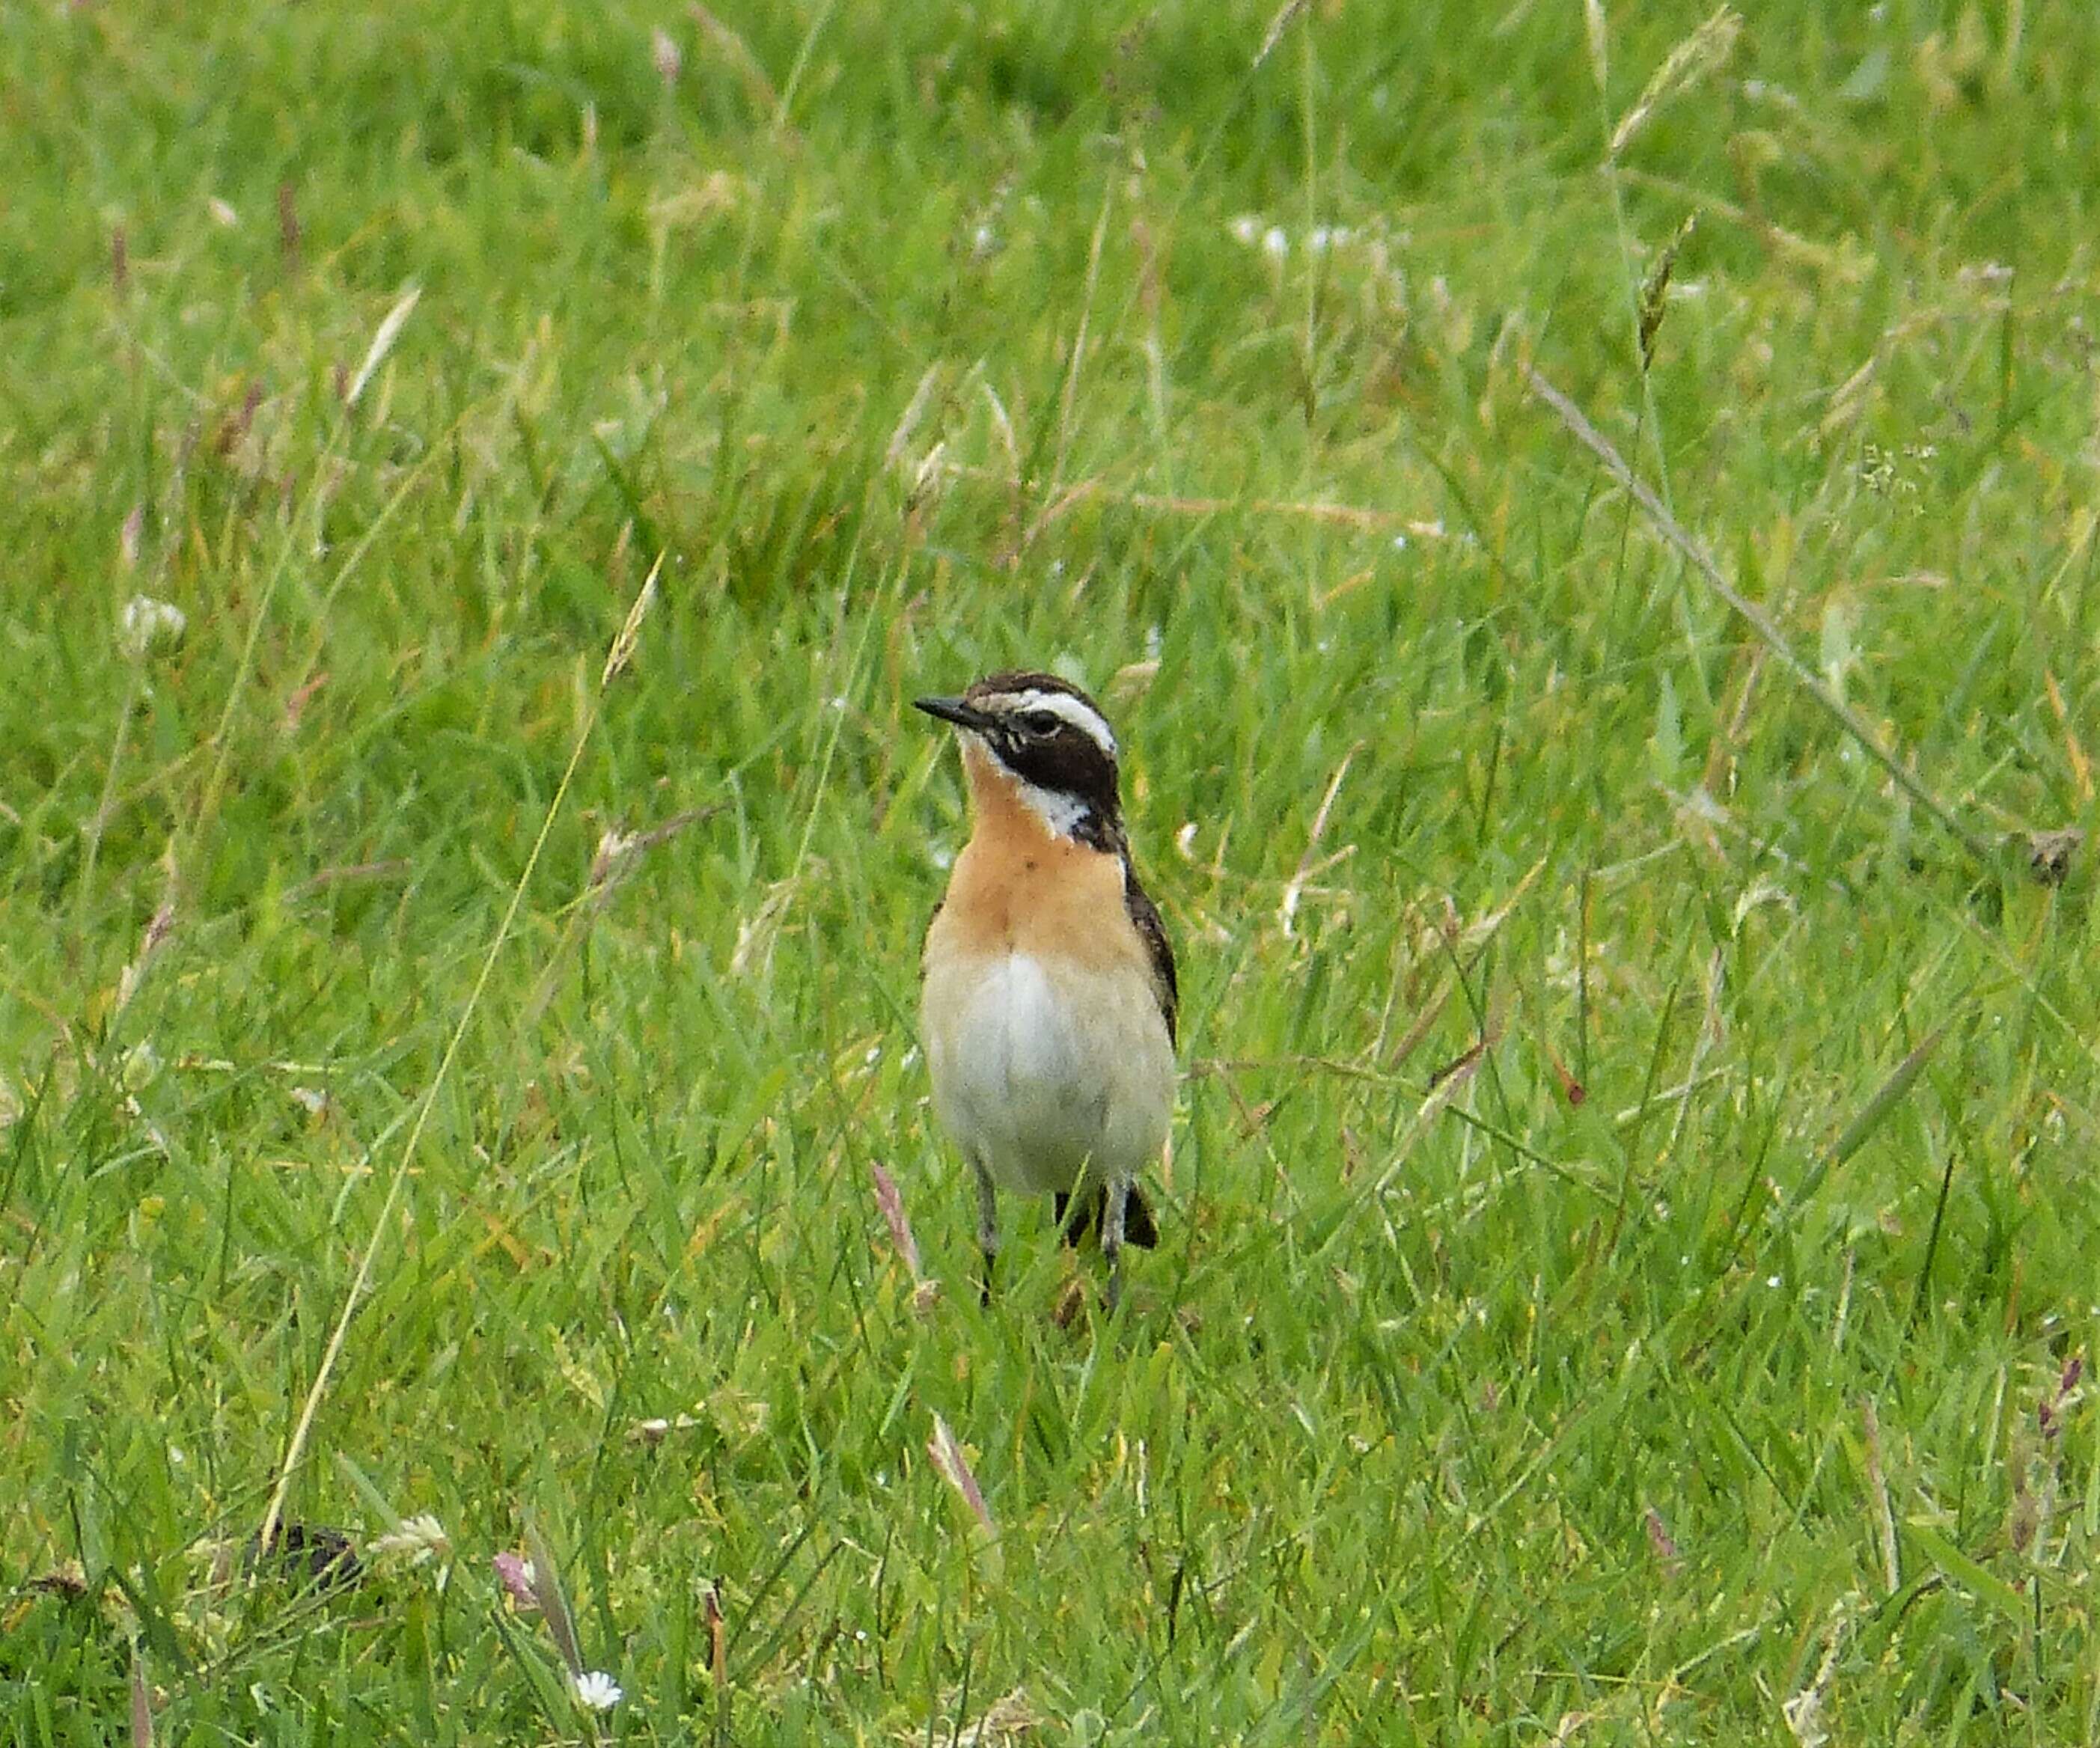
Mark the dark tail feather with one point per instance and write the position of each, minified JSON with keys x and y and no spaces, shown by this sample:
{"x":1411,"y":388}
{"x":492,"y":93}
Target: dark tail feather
{"x":1083,"y":1214}
{"x":1139,"y":1227}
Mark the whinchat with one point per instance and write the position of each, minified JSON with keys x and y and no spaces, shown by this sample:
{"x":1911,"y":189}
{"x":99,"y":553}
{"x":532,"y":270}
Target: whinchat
{"x":1049,"y":1002}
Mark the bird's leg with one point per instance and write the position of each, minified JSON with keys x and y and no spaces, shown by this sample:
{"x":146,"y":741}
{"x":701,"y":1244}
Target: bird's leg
{"x":987,"y":1227}
{"x":1116,"y":1199}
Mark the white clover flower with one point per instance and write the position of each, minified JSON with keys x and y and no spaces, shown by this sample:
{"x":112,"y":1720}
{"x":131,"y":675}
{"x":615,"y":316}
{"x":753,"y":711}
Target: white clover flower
{"x":597,"y":1691}
{"x":148,"y":625}
{"x":417,"y":1539}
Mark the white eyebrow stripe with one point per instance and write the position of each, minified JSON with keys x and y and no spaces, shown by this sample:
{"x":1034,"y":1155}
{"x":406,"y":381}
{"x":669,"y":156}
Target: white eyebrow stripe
{"x":1081,"y":714}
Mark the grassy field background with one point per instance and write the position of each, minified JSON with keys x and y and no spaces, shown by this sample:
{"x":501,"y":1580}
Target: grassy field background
{"x":1630,"y":1241}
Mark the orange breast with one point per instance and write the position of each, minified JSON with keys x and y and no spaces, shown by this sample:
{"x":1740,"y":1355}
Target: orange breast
{"x":1019,"y":887}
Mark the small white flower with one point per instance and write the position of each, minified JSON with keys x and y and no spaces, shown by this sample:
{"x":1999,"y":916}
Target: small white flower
{"x":1275,"y":242}
{"x":419,"y":1538}
{"x":1247,"y":228}
{"x":984,"y":241}
{"x":597,"y":1691}
{"x":148,"y":625}
{"x":223,"y":213}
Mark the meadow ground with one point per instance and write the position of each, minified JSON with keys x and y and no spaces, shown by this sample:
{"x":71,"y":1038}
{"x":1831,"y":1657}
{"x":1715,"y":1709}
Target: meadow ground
{"x":1629,"y":1242}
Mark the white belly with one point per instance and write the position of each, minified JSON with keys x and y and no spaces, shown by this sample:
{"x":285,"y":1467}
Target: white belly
{"x":1041,"y":1079}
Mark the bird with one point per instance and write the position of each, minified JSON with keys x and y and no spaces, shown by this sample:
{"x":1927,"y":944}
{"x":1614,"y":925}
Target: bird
{"x":1049,"y":999}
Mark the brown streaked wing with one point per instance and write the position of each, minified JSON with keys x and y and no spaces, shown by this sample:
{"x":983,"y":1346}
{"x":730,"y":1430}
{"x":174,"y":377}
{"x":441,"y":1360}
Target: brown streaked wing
{"x":1144,"y":917}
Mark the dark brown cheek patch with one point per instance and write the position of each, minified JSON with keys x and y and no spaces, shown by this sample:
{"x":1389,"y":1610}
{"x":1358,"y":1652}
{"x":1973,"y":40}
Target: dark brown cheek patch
{"x":1069,"y":762}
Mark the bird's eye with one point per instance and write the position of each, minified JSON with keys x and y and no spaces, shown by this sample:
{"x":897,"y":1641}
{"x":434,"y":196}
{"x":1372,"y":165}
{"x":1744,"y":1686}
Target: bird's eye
{"x":1041,"y":723}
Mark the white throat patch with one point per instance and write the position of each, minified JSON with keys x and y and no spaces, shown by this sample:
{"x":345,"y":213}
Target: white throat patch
{"x":1062,"y":813}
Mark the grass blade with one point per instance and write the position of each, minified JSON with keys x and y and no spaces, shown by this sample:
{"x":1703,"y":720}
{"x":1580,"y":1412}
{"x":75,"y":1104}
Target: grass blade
{"x":1872,"y":1114}
{"x":1986,"y":855}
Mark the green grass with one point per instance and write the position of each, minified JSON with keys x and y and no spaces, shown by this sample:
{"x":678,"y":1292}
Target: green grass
{"x":1687,"y":1361}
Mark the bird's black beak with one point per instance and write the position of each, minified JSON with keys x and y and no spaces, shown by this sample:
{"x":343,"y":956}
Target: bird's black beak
{"x":956,"y":710}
